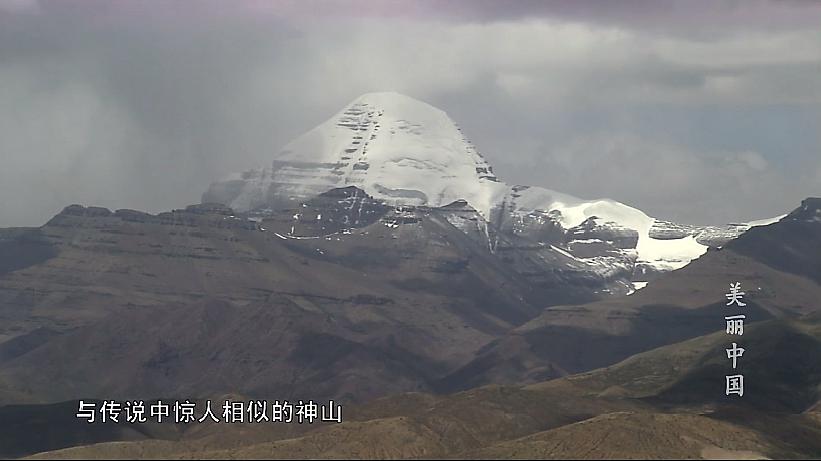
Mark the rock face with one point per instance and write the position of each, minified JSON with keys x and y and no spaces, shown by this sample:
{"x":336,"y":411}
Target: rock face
{"x":406,"y":153}
{"x":334,"y":212}
{"x":792,"y":245}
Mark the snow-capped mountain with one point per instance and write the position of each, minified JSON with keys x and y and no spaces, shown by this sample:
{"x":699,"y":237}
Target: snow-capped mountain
{"x":396,"y":148}
{"x":402,"y":151}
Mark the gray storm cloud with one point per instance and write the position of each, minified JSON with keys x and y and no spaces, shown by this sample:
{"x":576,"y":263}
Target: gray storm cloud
{"x":707,"y":114}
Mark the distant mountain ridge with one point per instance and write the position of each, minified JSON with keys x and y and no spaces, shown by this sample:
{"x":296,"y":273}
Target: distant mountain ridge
{"x":779,"y":265}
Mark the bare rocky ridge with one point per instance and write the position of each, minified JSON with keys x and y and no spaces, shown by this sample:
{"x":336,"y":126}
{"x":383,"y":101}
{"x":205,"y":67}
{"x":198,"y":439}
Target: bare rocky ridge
{"x":117,"y":279}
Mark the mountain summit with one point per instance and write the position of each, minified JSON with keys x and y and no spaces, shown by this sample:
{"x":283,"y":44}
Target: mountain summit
{"x":394,"y":147}
{"x":402,"y":151}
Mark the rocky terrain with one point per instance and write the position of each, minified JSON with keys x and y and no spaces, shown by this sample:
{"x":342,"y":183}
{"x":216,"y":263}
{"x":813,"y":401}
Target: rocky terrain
{"x":664,"y":403}
{"x":162,"y":286}
{"x":359,"y":344}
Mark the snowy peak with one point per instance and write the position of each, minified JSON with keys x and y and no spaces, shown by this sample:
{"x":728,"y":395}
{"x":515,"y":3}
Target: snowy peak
{"x":394,"y":147}
{"x":405,"y":152}
{"x":385,"y":127}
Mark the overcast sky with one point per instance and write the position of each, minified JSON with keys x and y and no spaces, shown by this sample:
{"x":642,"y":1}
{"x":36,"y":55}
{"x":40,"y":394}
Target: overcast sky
{"x":702,"y":112}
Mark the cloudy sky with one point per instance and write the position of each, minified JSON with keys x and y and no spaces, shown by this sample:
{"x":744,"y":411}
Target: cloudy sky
{"x":703,"y":112}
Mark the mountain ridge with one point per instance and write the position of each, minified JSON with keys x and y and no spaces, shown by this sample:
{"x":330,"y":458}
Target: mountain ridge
{"x":405,"y":152}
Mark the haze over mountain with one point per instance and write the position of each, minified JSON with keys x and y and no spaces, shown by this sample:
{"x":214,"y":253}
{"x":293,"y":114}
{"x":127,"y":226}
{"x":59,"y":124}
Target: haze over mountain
{"x":485,"y":229}
{"x":677,"y":111}
{"x":314,"y":263}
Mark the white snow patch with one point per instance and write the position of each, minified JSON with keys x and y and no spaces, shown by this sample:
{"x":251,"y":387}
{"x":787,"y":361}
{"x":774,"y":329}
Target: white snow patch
{"x":636,"y":287}
{"x":661,"y":254}
{"x":669,"y":254}
{"x":765,"y":222}
{"x":559,"y":250}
